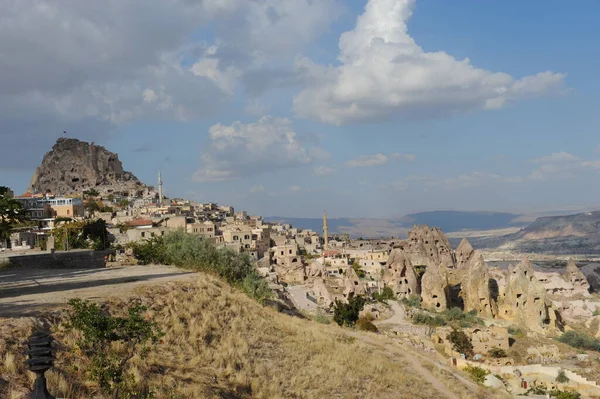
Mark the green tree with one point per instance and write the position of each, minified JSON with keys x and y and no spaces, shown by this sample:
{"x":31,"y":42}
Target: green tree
{"x":346,"y":314}
{"x":12,"y":214}
{"x":386,"y":293}
{"x":461,"y":342}
{"x":359,"y":270}
{"x":109,"y":342}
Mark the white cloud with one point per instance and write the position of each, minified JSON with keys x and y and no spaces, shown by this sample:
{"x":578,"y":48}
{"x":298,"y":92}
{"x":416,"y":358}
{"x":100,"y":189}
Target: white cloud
{"x":323,"y":170}
{"x":241,"y":150}
{"x":368,"y":160}
{"x":256,"y":189}
{"x":87,"y":67}
{"x":295,"y":188}
{"x":403,"y":156}
{"x":384,"y":74}
{"x":379,"y":159}
{"x":557,"y":157}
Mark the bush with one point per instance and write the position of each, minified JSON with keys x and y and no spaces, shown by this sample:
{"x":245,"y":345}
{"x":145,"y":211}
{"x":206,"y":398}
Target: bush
{"x":477,"y":373}
{"x":424,"y":318}
{"x":413,"y":301}
{"x":346,"y":314}
{"x":320,"y":317}
{"x":516,"y":331}
{"x":365,"y":323}
{"x":191,"y":252}
{"x":580,"y":340}
{"x":461,"y":342}
{"x":562,"y":377}
{"x":359,"y":270}
{"x":497,"y":353}
{"x":386,"y":293}
{"x":558,"y":394}
{"x":596,"y":312}
{"x":463,"y":319}
{"x":100,"y":331}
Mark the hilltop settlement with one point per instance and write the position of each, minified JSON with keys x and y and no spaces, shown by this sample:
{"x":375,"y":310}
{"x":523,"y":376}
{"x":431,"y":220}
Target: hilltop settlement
{"x":513,"y":319}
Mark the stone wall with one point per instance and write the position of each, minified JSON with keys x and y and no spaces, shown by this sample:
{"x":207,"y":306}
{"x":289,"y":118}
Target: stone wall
{"x":84,"y":259}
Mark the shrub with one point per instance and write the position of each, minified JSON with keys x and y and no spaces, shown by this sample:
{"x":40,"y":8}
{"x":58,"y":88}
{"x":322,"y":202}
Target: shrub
{"x":596,"y":312}
{"x":558,"y":394}
{"x":413,"y":301}
{"x":477,"y":373}
{"x":461,"y":342}
{"x":580,"y":340}
{"x":365,"y":323}
{"x":359,"y":270}
{"x":320,"y":317}
{"x":497,"y":353}
{"x":562,"y":377}
{"x":386,"y":293}
{"x":464,"y":319}
{"x":346,"y":314}
{"x":424,"y":318}
{"x":516,"y":331}
{"x":191,"y":252}
{"x":100,"y":331}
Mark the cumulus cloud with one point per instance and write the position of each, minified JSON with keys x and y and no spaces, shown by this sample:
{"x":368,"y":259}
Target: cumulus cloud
{"x":384,"y":73}
{"x":556,"y":157}
{"x":87,"y":67}
{"x":403,"y":156}
{"x":295,"y":188}
{"x":241,"y":150}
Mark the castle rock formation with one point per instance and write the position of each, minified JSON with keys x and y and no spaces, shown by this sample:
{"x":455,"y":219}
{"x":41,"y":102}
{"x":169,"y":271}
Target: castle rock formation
{"x":73,"y":166}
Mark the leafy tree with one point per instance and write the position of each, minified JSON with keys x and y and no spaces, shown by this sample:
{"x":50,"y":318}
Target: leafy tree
{"x":12,"y":214}
{"x":477,"y":373}
{"x":386,"y":293}
{"x":109,"y":342}
{"x":346,"y":314}
{"x":461,"y":342}
{"x":82,"y":234}
{"x":150,"y":251}
{"x":431,"y":321}
{"x":124,"y":203}
{"x":359,"y":270}
{"x":92,"y":206}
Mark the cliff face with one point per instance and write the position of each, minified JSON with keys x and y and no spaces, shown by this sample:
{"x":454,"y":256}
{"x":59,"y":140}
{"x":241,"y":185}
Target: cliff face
{"x":73,"y":166}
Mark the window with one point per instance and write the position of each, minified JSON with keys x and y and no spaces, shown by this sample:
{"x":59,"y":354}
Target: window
{"x":162,"y":233}
{"x":290,"y":251}
{"x":235,"y":238}
{"x":143,"y":234}
{"x":68,"y":212}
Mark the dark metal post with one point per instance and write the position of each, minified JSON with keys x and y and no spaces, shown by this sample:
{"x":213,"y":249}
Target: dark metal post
{"x":40,"y":360}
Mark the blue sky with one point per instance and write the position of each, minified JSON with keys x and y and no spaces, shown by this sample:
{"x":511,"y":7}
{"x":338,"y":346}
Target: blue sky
{"x":289,"y":107}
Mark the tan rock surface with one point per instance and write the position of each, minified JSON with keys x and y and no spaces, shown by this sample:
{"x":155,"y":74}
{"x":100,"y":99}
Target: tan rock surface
{"x":400,"y":274}
{"x":434,"y":289}
{"x":73,"y":166}
{"x":475,"y":288}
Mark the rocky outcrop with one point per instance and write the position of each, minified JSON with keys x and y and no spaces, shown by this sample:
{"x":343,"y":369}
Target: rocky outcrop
{"x":427,"y":246}
{"x":574,"y":276}
{"x":434,"y":289}
{"x":400,"y":275}
{"x":352,"y":284}
{"x":73,"y":166}
{"x":464,"y":253}
{"x":524,"y":300}
{"x":475,"y":288}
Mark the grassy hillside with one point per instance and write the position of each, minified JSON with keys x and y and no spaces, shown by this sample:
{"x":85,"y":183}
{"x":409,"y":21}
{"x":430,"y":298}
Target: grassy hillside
{"x":218,"y":343}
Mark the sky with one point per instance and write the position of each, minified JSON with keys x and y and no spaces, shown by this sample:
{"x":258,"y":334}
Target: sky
{"x":362,"y":108}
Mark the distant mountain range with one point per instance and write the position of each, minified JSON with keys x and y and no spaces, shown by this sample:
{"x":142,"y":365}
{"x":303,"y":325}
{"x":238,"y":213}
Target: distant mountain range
{"x":565,"y":234}
{"x":562,"y":234}
{"x":448,"y":221}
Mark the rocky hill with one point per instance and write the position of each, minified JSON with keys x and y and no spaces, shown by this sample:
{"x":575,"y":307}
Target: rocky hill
{"x":571,"y":234}
{"x":73,"y":166}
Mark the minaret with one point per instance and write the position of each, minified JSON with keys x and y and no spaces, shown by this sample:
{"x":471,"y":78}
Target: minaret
{"x":325,"y":231}
{"x":160,"y":193}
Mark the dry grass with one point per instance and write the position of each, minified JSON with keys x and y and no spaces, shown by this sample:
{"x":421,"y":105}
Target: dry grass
{"x":220,"y":344}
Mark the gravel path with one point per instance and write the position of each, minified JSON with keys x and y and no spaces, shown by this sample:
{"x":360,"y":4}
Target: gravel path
{"x":26,"y":292}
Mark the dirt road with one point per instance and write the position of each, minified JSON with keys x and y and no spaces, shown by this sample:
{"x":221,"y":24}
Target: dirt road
{"x":25,"y":292}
